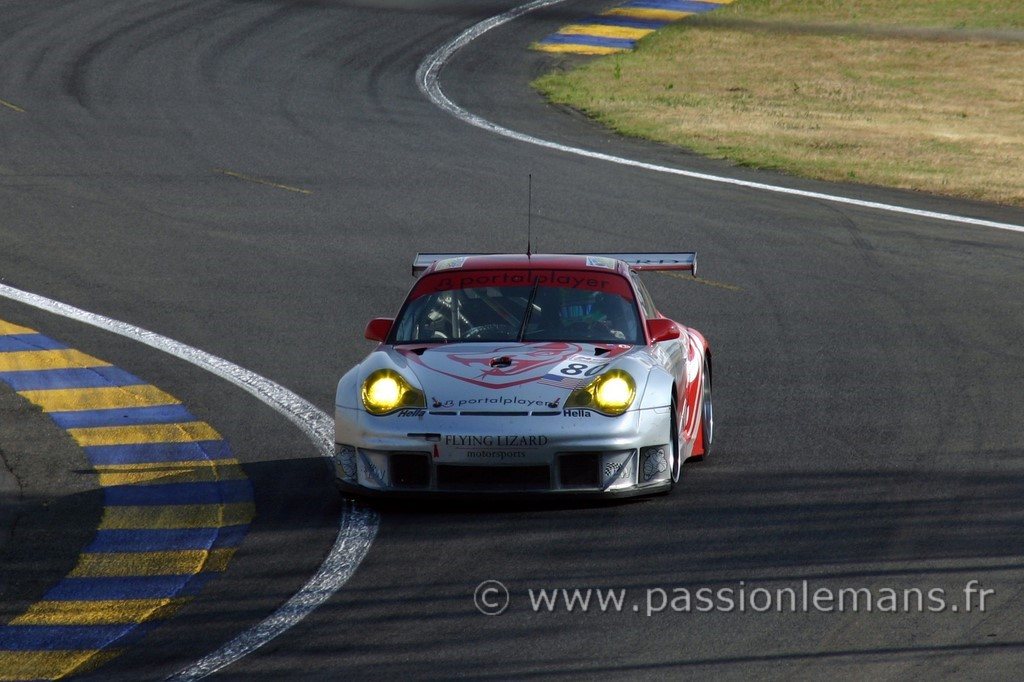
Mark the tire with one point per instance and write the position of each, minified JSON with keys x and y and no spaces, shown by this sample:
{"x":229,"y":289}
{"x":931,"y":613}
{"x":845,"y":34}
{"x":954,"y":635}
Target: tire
{"x":707,"y":413}
{"x":677,"y":461}
{"x":675,"y":464}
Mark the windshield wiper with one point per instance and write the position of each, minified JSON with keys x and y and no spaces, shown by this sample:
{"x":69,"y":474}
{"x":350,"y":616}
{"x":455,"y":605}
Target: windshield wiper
{"x":529,"y":309}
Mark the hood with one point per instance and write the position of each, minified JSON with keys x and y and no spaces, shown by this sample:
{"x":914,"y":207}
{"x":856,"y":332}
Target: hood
{"x":504,"y":376}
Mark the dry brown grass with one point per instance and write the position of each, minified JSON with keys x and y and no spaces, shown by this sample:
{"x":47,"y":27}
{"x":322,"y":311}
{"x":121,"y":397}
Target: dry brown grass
{"x":911,"y":111}
{"x":957,"y":14}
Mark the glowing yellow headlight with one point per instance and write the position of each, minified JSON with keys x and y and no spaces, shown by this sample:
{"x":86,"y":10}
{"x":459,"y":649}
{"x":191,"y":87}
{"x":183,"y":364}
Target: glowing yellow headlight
{"x":611,"y":393}
{"x":614,"y":393}
{"x":386,"y":391}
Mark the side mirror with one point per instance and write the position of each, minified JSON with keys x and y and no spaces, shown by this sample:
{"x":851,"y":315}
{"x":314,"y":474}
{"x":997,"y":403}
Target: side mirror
{"x":379,"y":328}
{"x":662,"y":329}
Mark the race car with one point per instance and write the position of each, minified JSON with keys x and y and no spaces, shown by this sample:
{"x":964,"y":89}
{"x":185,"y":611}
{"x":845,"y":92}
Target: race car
{"x":526,"y":374}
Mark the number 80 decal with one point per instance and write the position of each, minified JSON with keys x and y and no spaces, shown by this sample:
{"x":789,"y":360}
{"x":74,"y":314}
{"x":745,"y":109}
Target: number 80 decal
{"x":580,"y":367}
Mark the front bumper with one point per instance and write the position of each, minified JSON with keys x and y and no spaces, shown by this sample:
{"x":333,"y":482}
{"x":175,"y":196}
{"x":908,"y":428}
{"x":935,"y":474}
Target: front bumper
{"x":571,"y":453}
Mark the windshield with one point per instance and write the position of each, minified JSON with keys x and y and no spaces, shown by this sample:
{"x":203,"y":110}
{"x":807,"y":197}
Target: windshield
{"x":523,"y":306}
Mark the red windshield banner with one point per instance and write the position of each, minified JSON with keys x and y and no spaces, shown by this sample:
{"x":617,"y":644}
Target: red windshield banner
{"x":569,"y":279}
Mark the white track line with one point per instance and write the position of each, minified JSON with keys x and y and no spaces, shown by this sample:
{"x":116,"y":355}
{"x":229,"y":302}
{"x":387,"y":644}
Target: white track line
{"x":427,"y":80}
{"x":357,"y":526}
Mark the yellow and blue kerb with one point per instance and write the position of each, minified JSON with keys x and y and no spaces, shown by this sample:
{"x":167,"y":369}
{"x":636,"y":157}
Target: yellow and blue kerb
{"x":176,"y":506}
{"x":618,"y":29}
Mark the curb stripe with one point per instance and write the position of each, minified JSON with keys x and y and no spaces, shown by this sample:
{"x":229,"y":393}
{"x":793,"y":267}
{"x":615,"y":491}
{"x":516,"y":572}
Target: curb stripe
{"x":42,"y":664}
{"x":93,"y":377}
{"x":179,"y":493}
{"x":122,"y":416}
{"x":166,"y":539}
{"x":146,"y":453}
{"x":98,"y":398}
{"x":595,"y":41}
{"x":9,"y":328}
{"x":667,"y":15}
{"x":176,"y":506}
{"x":179,"y":562}
{"x":169,"y":472}
{"x":569,"y":48}
{"x":148,"y":433}
{"x":99,"y":612}
{"x":177,"y":516}
{"x":128,"y":587}
{"x":646,"y":7}
{"x":19,"y":342}
{"x":625,"y":32}
{"x":677,"y":5}
{"x":38,"y":638}
{"x":612,"y":20}
{"x":27,"y":360}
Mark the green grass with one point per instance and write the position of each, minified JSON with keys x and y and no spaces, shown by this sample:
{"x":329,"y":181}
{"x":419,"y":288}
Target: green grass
{"x":866,"y":95}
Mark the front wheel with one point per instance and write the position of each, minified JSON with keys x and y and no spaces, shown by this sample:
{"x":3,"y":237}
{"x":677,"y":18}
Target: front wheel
{"x":677,"y":460}
{"x":707,"y":413}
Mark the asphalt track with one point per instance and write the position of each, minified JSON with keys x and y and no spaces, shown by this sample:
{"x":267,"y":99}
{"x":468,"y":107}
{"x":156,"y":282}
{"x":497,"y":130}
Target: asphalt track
{"x":869,"y":366}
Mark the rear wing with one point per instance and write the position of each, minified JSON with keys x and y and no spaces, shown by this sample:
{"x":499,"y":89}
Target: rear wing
{"x":422,"y":261}
{"x":653,"y":260}
{"x":642,"y":260}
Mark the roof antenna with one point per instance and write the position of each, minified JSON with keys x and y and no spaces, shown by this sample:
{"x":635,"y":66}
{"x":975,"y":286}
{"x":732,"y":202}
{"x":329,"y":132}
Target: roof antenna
{"x":529,"y":212}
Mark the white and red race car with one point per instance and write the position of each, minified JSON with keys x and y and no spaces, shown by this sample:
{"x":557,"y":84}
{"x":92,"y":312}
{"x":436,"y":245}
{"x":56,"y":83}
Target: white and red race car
{"x":539,"y":374}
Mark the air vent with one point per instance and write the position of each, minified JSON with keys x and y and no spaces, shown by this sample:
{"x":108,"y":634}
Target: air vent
{"x":493,"y":478}
{"x":580,"y":470}
{"x":410,"y":470}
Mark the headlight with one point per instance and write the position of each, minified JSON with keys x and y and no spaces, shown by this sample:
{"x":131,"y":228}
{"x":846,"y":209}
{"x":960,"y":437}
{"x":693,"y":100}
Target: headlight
{"x":386,"y":391}
{"x":611,"y":393}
